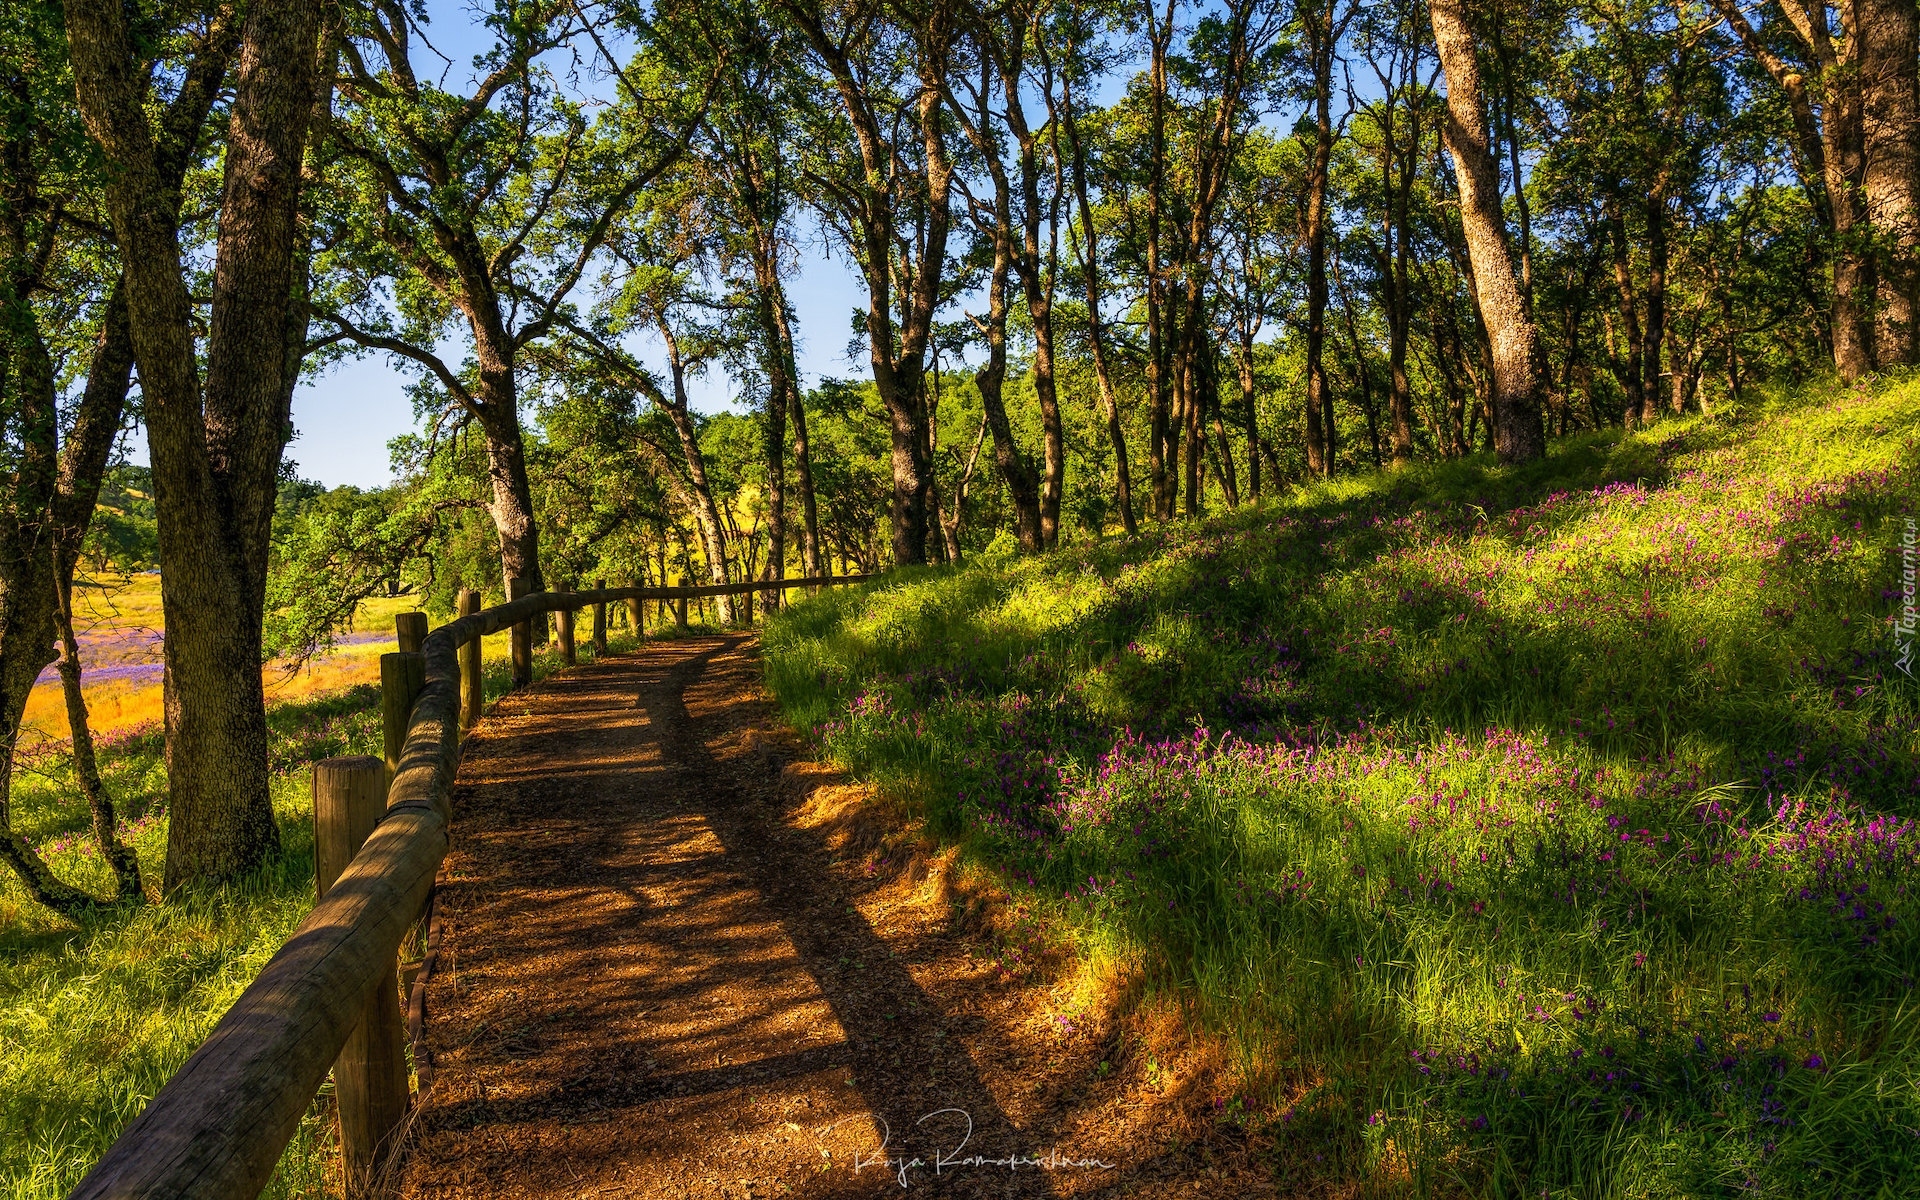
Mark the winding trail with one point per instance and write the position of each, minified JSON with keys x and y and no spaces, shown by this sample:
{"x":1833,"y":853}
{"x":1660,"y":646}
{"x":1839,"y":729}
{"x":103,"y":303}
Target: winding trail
{"x":674,"y":965}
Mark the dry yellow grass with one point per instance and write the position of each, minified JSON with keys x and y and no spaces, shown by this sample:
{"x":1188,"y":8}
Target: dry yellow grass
{"x":118,"y":621}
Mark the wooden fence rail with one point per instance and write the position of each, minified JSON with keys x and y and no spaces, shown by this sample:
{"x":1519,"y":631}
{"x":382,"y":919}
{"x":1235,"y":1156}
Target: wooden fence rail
{"x":218,"y":1127}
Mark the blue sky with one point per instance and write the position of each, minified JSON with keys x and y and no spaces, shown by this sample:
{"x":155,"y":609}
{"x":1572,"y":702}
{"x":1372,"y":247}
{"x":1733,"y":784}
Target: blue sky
{"x":344,"y":417}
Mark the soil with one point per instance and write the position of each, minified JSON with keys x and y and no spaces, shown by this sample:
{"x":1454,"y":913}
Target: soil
{"x":680,"y":960}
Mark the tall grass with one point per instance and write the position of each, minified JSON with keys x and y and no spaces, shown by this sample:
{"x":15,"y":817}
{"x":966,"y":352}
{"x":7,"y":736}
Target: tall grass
{"x":1543,"y":831}
{"x":95,"y":1017}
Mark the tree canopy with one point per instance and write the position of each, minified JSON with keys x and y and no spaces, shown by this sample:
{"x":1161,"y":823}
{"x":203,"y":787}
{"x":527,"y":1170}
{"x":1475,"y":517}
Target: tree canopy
{"x":1123,"y":261}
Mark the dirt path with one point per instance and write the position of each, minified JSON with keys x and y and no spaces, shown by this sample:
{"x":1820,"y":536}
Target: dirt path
{"x":668,"y":972}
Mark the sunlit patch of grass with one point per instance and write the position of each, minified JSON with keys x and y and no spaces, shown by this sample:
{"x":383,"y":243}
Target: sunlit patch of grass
{"x":1530,"y":831}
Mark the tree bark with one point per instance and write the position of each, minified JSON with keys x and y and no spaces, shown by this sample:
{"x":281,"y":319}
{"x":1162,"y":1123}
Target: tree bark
{"x":1844,"y":137}
{"x":1220,"y":445}
{"x":713,"y":541}
{"x":1320,"y":448}
{"x":1192,"y":403}
{"x":990,"y":378}
{"x":1163,"y":434}
{"x":83,"y":465}
{"x":26,"y":549}
{"x":872,"y":210}
{"x":46,"y":516}
{"x":951,"y":529}
{"x":1516,"y":390}
{"x":1889,"y":47}
{"x":1025,"y":491}
{"x":1243,"y":371}
{"x":215,"y":447}
{"x":1833,"y":152}
{"x":1628,"y":367}
{"x":1035,"y":267}
{"x":1096,"y":324}
{"x":774,"y":421}
{"x":1360,"y":366}
{"x":810,"y":557}
{"x":783,"y":398}
{"x":1399,"y":155}
{"x":516,"y":531}
{"x":86,"y":769}
{"x":1656,"y":332}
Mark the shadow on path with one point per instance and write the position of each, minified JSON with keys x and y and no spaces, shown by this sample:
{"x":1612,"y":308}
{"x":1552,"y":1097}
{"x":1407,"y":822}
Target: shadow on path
{"x":656,"y":982}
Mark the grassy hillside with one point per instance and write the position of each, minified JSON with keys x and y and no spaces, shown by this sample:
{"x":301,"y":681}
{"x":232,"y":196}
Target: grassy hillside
{"x":1545,"y":831}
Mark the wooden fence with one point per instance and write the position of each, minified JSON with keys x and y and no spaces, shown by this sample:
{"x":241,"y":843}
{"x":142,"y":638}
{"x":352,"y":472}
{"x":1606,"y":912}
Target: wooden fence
{"x":218,"y":1127}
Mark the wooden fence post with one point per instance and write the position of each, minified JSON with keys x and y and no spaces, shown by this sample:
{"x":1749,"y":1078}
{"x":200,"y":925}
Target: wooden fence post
{"x":567,"y":653}
{"x":410,"y":629}
{"x":370,"y":1076}
{"x":402,"y":675}
{"x":680,"y":607}
{"x":473,"y":694}
{"x":637,"y":609}
{"x":517,"y":587}
{"x":599,"y":622}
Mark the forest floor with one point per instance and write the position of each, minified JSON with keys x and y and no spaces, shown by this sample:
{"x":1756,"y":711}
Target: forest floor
{"x":680,"y":960}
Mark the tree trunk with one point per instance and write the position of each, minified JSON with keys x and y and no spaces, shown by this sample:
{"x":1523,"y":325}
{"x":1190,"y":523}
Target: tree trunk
{"x":1628,"y":366}
{"x":775,"y":429}
{"x":783,"y":397}
{"x":1243,"y":370}
{"x":713,"y":540}
{"x":52,"y":502}
{"x":1518,"y":435}
{"x":1190,"y":411}
{"x":1366,"y":384}
{"x":1035,"y":267}
{"x":83,"y":464}
{"x":1162,"y":434}
{"x":872,"y":213}
{"x":1159,"y":409}
{"x":1210,"y":385}
{"x":936,"y":511}
{"x":215,"y":451}
{"x":1853,"y":275}
{"x":1096,"y":327}
{"x":1832,"y":153}
{"x":1682,"y":364}
{"x":1889,"y":47}
{"x":950,"y":531}
{"x":1446,"y":352}
{"x":803,"y":470}
{"x":990,"y":378}
{"x":1320,"y":448}
{"x":777,"y":332}
{"x":86,"y":769}
{"x":516,"y":532}
{"x":27,"y":563}
{"x":1399,"y":303}
{"x":1656,"y":331}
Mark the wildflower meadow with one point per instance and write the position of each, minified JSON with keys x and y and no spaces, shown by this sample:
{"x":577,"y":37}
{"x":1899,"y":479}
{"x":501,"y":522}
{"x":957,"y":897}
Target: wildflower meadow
{"x":1545,"y":831}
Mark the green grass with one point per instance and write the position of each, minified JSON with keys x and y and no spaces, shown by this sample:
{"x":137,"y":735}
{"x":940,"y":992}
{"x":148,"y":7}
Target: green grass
{"x":95,"y":1017}
{"x":1537,"y":831}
